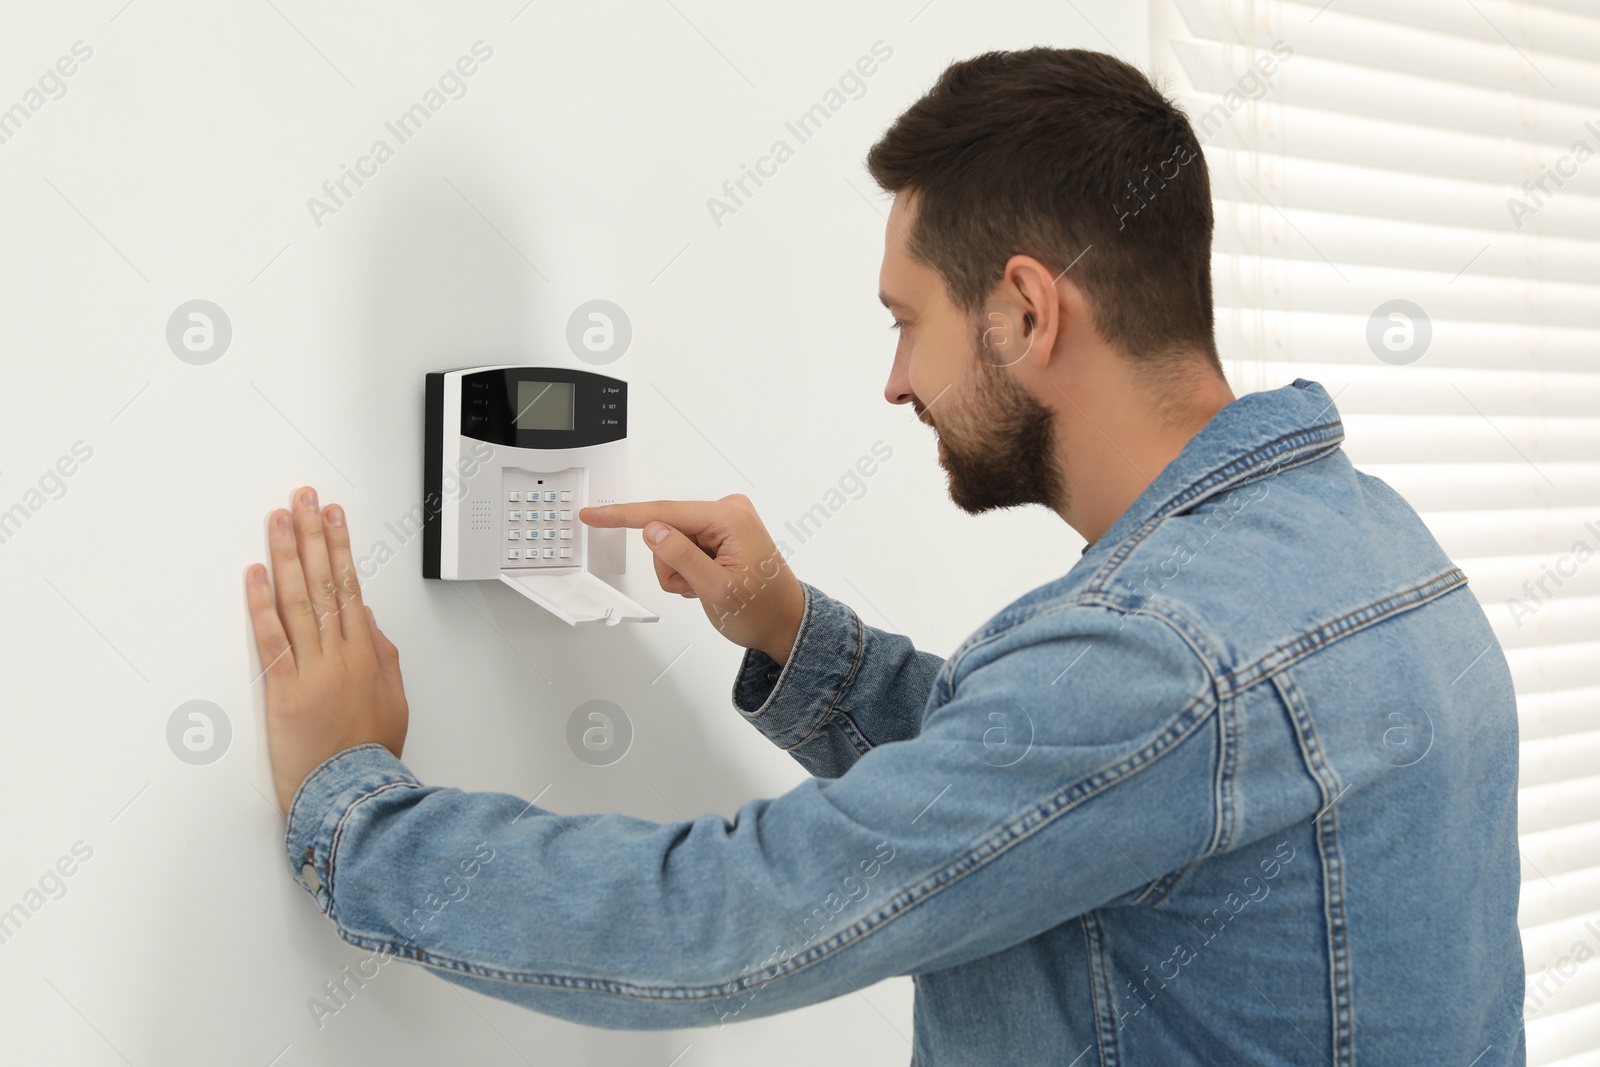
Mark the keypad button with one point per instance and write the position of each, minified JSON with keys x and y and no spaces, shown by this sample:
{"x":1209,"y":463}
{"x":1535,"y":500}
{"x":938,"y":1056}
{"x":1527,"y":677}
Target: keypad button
{"x":549,"y":535}
{"x":566,"y":553}
{"x":511,"y":535}
{"x":549,"y":516}
{"x":566,"y":494}
{"x":566,"y":534}
{"x":549,"y":494}
{"x":549,"y":553}
{"x":531,"y":535}
{"x":514,"y":515}
{"x":566,"y":515}
{"x":513,"y":553}
{"x":513,"y":496}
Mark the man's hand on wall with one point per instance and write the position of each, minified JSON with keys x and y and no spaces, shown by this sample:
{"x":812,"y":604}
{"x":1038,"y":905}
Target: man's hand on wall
{"x":333,"y":678}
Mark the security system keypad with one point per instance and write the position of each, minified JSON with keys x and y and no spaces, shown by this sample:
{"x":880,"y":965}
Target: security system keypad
{"x":539,"y":519}
{"x":511,"y":452}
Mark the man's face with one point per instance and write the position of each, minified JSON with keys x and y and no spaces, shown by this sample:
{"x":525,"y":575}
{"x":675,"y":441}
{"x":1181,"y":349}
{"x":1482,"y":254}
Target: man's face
{"x":996,"y":440}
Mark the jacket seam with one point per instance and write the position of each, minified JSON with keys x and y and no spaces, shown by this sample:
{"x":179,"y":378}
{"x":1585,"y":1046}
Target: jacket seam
{"x":1158,"y":890}
{"x":1222,"y":769}
{"x":1287,"y":655}
{"x":838,"y":694}
{"x":1089,"y":599}
{"x":852,"y":733}
{"x":1101,"y":991}
{"x":1325,"y":827}
{"x":337,"y":836}
{"x":1222,"y":838}
{"x":1227,"y":762}
{"x":785,"y":675}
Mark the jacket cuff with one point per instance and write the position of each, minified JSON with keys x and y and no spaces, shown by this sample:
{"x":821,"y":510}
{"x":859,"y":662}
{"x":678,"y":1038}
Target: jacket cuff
{"x":787,"y":704}
{"x":323,"y":802}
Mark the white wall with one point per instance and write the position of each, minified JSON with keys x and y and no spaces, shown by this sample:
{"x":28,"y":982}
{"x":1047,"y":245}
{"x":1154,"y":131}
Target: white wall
{"x":177,"y":166}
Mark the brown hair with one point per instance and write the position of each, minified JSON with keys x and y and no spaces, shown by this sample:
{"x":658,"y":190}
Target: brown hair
{"x":1047,"y":152}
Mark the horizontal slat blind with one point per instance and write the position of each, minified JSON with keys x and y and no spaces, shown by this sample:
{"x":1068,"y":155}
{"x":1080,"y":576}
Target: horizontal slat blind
{"x":1380,"y":161}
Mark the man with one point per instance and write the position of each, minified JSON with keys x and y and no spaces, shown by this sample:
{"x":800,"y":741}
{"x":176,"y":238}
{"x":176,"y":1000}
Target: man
{"x":1237,"y":788}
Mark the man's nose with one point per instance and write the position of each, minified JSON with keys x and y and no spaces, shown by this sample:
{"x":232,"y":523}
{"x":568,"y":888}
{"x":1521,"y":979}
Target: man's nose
{"x":898,"y":388}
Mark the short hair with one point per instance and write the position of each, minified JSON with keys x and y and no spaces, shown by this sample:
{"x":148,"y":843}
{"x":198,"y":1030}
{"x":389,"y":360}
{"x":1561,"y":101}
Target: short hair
{"x":1049,"y":152}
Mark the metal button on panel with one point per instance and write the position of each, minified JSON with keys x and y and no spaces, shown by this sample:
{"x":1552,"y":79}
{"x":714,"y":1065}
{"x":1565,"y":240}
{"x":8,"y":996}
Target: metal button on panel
{"x":566,"y":515}
{"x":531,"y":535}
{"x":514,"y":515}
{"x":549,"y":494}
{"x":511,"y":535}
{"x":566,"y":534}
{"x":566,"y":494}
{"x":549,"y":535}
{"x":513,"y":496}
{"x":549,"y":516}
{"x":309,"y":873}
{"x":549,"y":553}
{"x":513,"y":553}
{"x":565,"y":552}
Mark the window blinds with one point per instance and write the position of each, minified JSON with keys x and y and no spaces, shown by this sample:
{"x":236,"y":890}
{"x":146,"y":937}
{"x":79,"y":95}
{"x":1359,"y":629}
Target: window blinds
{"x":1447,"y":155}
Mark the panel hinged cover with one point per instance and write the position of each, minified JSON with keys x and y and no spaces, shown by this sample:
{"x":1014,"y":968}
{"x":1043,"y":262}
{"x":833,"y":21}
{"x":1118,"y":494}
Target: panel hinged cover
{"x":578,"y":598}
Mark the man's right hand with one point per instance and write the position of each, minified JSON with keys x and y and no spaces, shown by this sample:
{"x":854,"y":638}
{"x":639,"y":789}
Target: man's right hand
{"x":719,"y":552}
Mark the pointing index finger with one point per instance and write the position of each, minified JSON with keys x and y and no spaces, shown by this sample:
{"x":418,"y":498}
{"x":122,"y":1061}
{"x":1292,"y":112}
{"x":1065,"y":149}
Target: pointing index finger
{"x":689,"y":516}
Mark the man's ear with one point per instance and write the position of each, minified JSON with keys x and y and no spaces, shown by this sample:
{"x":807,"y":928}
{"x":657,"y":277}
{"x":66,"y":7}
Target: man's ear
{"x":1031,"y":291}
{"x":1007,"y":332}
{"x":1023,"y":303}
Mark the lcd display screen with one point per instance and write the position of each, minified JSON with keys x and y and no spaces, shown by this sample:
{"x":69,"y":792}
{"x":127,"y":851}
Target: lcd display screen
{"x":545,"y":405}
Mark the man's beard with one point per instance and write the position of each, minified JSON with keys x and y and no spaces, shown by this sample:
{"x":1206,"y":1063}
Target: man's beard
{"x":998,"y":442}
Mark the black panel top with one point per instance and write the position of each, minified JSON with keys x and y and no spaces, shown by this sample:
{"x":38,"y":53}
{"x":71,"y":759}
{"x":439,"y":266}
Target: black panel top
{"x":489,"y":412}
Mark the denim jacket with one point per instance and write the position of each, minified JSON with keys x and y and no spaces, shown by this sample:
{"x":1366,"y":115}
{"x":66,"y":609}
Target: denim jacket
{"x":1237,"y":788}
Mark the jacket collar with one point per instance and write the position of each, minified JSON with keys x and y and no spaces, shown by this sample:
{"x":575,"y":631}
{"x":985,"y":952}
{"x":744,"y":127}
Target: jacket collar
{"x":1254,"y":437}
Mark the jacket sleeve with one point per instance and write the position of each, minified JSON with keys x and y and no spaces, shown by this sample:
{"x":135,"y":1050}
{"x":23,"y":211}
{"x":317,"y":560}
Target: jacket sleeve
{"x":927,"y":853}
{"x":845,"y":688}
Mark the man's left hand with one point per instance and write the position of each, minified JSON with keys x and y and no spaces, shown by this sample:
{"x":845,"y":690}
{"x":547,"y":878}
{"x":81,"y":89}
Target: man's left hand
{"x":333,"y":678}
